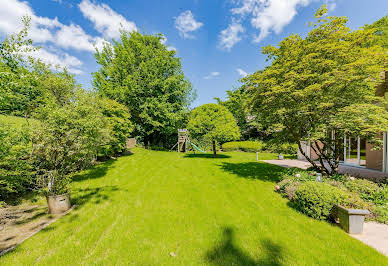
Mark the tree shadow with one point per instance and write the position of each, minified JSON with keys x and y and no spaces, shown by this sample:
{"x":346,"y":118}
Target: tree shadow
{"x":32,"y":218}
{"x":206,"y":155}
{"x":95,"y":195}
{"x":255,"y":170}
{"x":228,"y":253}
{"x":95,"y":172}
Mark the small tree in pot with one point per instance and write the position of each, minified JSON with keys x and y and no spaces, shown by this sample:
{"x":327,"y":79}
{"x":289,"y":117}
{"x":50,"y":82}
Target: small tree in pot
{"x":66,"y":140}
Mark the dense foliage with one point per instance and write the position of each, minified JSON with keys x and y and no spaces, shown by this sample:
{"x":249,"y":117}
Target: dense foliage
{"x":27,"y":83}
{"x":247,"y":146}
{"x":67,"y":140}
{"x":258,"y":146}
{"x":322,"y":87}
{"x":16,"y":170}
{"x":317,"y":199}
{"x":141,"y":73}
{"x":237,"y":103}
{"x":71,"y":129}
{"x":117,"y":119}
{"x":213,"y":123}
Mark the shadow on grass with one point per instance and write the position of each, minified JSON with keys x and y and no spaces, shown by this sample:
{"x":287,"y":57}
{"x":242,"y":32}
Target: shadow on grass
{"x":254,"y":170}
{"x":95,"y":172}
{"x":228,"y":253}
{"x":206,"y":155}
{"x":95,"y":195}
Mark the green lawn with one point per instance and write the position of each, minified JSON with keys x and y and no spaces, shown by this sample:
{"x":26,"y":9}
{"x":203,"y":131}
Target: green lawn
{"x":16,"y":121}
{"x":139,"y":208}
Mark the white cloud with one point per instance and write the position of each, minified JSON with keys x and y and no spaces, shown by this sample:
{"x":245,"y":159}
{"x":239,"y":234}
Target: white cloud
{"x":212,"y":75}
{"x":163,"y":41}
{"x":231,"y":35}
{"x":331,"y":5}
{"x":73,"y":36}
{"x":44,"y":29}
{"x":57,"y":58}
{"x":105,"y":19}
{"x":171,"y":48}
{"x":241,"y":72}
{"x":269,"y":15}
{"x":11,"y":12}
{"x":54,"y":35}
{"x":186,"y":24}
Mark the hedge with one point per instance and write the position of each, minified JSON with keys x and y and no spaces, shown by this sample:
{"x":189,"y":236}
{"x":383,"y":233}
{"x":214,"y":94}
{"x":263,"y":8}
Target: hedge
{"x":259,"y":146}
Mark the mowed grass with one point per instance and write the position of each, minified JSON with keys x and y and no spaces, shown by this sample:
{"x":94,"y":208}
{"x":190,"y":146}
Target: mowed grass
{"x":138,"y":209}
{"x":16,"y":121}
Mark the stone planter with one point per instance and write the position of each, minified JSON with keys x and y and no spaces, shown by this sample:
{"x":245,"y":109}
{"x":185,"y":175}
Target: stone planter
{"x":351,"y":220}
{"x":58,"y":203}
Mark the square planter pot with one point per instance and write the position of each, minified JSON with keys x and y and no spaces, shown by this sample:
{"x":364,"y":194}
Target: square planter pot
{"x":58,"y":203}
{"x":351,"y":220}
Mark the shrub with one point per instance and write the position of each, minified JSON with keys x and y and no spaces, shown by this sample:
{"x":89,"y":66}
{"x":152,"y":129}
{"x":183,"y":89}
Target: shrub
{"x":247,"y":146}
{"x":382,"y":214}
{"x":66,"y":141}
{"x":297,"y":174}
{"x":290,"y":190}
{"x":317,"y":199}
{"x":283,"y":184}
{"x":365,"y":188}
{"x":284,"y":148}
{"x":16,"y":170}
{"x":259,"y":146}
{"x":381,"y":197}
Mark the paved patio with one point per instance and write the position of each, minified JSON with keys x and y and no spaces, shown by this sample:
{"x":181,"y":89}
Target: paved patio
{"x":376,"y":236}
{"x":370,"y":174}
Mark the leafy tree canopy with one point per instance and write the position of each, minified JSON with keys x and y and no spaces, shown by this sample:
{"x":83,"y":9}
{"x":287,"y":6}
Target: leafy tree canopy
{"x":321,"y":87}
{"x":27,"y":83}
{"x":237,"y":103}
{"x":380,"y":29}
{"x":213,"y":122}
{"x":141,"y":73}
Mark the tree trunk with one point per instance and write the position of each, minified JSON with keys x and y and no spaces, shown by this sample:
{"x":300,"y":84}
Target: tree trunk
{"x":214,"y":149}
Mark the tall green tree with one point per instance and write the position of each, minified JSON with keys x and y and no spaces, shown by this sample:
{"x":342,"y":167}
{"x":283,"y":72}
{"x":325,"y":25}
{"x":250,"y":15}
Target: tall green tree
{"x":18,"y":88}
{"x":237,"y":103}
{"x":213,"y":123}
{"x":321,"y":87}
{"x":380,"y":30}
{"x":118,"y":123}
{"x":141,"y":73}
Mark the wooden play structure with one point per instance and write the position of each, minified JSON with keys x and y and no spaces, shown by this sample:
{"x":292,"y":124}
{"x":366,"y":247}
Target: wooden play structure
{"x":184,"y":142}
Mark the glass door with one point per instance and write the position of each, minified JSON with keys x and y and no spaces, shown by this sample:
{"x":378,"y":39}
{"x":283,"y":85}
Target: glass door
{"x":355,"y":151}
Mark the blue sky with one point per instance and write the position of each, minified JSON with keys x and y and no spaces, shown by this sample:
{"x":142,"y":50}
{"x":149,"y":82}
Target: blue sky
{"x":217,"y":41}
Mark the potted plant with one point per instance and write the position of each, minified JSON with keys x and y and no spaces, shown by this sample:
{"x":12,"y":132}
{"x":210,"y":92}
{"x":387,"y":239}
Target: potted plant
{"x":56,"y":188}
{"x":65,"y":141}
